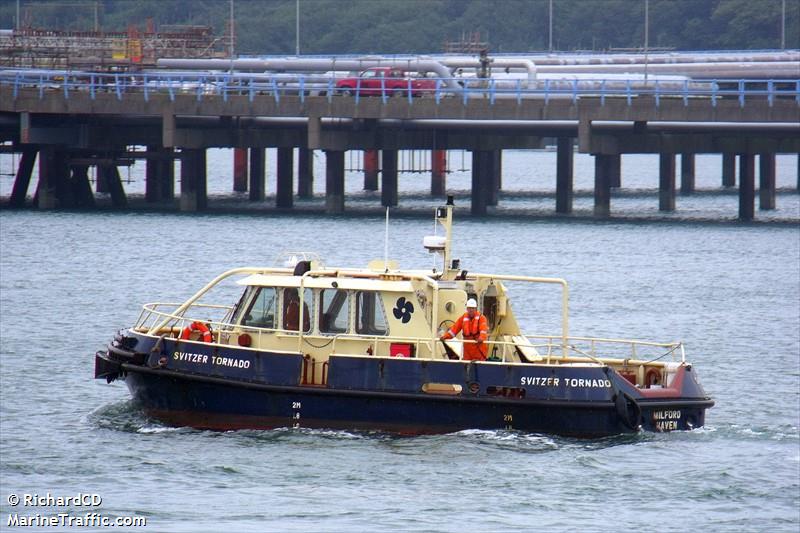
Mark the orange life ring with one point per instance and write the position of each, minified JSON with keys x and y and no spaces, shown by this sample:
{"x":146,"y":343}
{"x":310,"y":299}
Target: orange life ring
{"x":652,"y":377}
{"x":205,"y":332}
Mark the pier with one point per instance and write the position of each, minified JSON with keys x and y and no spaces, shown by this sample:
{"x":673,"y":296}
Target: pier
{"x":72,"y":121}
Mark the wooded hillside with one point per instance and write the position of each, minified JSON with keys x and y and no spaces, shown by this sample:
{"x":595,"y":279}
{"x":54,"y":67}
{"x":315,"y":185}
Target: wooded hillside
{"x":422,"y":26}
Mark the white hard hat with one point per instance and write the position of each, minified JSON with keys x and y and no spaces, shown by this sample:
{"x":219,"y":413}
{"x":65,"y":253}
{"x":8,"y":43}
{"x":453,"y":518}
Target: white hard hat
{"x":472,"y":303}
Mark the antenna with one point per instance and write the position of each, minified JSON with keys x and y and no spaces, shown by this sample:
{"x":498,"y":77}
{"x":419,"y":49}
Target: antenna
{"x":646,"y":35}
{"x":386,"y":243}
{"x":435,"y":224}
{"x":441,"y":245}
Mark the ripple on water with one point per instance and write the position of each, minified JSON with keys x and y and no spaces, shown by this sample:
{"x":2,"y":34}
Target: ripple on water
{"x":710,"y":285}
{"x":126,"y":416}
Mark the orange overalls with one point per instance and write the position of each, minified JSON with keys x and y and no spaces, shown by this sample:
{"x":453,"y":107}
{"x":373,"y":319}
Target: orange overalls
{"x":472,"y":329}
{"x":291,"y":316}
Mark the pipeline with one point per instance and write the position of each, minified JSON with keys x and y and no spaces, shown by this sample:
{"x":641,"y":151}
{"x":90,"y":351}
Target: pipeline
{"x":747,"y":70}
{"x":665,"y":58}
{"x":501,"y":62}
{"x":315,"y":65}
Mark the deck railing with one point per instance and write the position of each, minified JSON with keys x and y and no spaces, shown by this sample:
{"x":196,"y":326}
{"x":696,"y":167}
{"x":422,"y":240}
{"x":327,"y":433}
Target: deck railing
{"x":550,"y":348}
{"x":203,"y":85}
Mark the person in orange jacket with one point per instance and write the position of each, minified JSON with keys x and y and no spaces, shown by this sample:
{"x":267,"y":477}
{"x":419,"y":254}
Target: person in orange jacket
{"x":291,"y":311}
{"x":473,"y":327}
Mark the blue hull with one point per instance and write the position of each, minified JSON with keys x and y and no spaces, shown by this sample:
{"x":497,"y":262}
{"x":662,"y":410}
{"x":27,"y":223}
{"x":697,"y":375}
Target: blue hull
{"x":208,"y":386}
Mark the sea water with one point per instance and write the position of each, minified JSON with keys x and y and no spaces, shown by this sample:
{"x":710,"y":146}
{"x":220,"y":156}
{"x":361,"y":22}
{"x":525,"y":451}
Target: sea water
{"x":730,"y":291}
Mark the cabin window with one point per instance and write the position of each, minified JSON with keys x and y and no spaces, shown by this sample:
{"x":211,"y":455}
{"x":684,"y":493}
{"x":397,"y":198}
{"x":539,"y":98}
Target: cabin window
{"x":239,"y":310}
{"x":335,"y":311}
{"x":261,"y":313}
{"x":490,"y":311}
{"x":291,"y":309}
{"x":370,"y":318}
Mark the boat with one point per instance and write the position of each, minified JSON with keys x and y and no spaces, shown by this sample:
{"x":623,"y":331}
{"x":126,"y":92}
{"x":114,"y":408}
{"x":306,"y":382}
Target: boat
{"x":370,"y":356}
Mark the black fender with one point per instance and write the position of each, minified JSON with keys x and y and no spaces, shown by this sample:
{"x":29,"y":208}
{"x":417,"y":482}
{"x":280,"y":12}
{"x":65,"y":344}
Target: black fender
{"x":106,"y":368}
{"x":628,"y":409}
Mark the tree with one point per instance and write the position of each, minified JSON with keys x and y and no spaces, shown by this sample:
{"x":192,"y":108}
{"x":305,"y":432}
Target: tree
{"x":422,"y":26}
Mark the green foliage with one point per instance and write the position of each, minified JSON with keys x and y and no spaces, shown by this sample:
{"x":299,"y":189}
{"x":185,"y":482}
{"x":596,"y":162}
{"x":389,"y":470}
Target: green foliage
{"x":423,"y":26}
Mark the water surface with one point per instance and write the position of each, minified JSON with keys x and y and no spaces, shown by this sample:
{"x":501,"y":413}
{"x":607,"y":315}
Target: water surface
{"x":68,"y":281}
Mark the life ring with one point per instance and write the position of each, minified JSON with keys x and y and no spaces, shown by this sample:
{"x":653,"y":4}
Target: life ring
{"x":205,"y":332}
{"x":652,"y":377}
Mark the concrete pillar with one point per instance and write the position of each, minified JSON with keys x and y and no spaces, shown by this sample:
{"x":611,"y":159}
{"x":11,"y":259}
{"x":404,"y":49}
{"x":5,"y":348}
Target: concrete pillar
{"x":283,"y":193}
{"x":747,"y":195}
{"x":81,"y":188}
{"x":495,"y":169}
{"x":100,"y":185}
{"x":188,"y":198}
{"x":615,"y":170}
{"x":766,"y":186}
{"x":666,"y":182}
{"x":498,"y":170}
{"x":305,"y":173}
{"x":113,"y":181}
{"x":438,"y":173}
{"x":257,"y":176}
{"x":152,"y":176}
{"x":202,"y":179}
{"x":240,"y":169}
{"x":193,"y":179}
{"x":152,"y":187}
{"x":53,"y":179}
{"x":167,"y":173}
{"x":23,"y":178}
{"x":334,"y":181}
{"x":602,"y":185}
{"x":564,"y":175}
{"x":687,"y":173}
{"x":66,"y":198}
{"x":389,"y":178}
{"x":728,"y":170}
{"x":371,"y":167}
{"x":168,"y":130}
{"x":481,"y":181}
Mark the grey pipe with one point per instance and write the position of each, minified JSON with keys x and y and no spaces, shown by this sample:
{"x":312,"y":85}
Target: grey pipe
{"x":315,"y":65}
{"x":652,"y":58}
{"x":666,"y":58}
{"x":783,"y":70}
{"x":502,"y":62}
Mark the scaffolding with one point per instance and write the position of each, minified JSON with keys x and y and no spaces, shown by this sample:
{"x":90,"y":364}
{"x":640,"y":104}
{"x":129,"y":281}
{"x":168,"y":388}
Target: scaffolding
{"x":100,"y":50}
{"x":470,"y":43}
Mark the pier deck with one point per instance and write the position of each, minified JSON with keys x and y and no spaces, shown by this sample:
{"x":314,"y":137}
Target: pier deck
{"x":73,"y":122}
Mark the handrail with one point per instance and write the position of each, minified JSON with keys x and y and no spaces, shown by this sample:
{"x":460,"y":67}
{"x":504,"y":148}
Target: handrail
{"x":567,"y":342}
{"x":564,"y":298}
{"x":222,"y":326}
{"x":203,"y":85}
{"x":150,"y":311}
{"x":375,"y":339}
{"x":199,"y":294}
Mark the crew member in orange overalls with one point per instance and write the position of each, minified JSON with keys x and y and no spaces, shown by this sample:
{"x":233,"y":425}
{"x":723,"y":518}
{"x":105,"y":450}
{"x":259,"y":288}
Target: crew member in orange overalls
{"x":473,"y":327}
{"x":291,"y":311}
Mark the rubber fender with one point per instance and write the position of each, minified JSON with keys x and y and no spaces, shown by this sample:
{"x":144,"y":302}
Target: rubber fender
{"x":628,"y":410}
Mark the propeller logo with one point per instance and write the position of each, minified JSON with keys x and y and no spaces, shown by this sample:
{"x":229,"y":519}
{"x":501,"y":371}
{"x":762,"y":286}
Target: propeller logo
{"x":403,"y":310}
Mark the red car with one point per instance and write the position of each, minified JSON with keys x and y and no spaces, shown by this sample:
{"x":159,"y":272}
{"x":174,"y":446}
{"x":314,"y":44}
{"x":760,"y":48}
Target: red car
{"x":394,"y":81}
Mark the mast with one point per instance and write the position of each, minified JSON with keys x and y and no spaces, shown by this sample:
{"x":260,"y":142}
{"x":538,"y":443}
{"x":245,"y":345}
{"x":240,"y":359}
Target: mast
{"x":444,"y":216}
{"x":442,"y":244}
